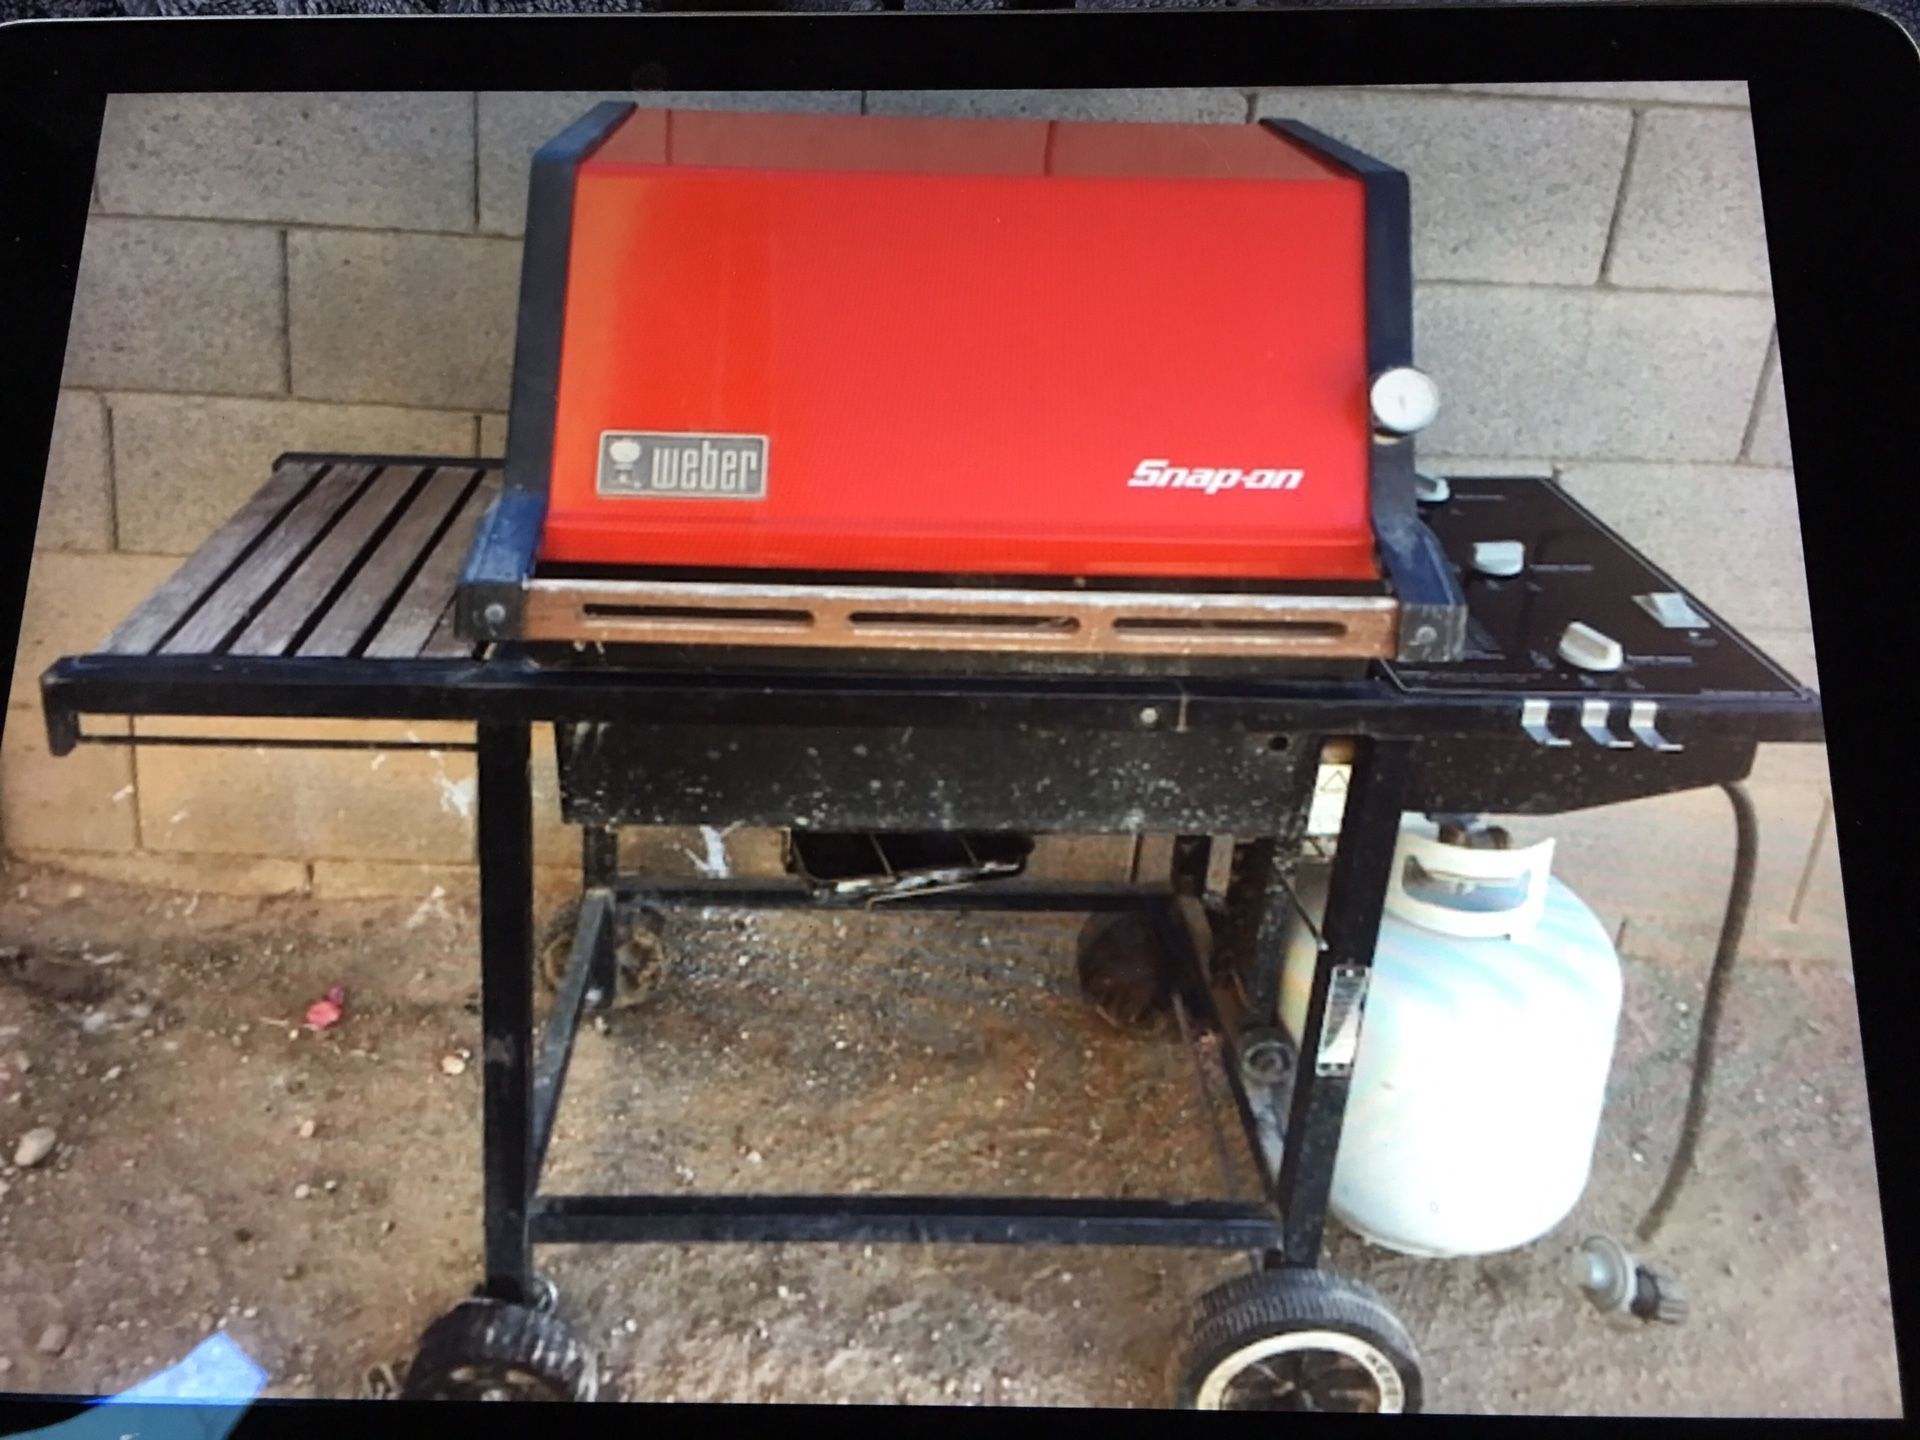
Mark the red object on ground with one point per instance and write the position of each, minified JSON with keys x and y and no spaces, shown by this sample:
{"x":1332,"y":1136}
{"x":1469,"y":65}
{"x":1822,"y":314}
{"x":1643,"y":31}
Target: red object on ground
{"x":971,"y":347}
{"x":327,"y":1012}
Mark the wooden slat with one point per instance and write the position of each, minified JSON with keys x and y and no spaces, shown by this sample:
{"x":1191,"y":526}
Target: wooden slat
{"x":350,"y":617}
{"x":280,"y":549}
{"x":411,"y":626}
{"x":329,"y":567}
{"x":446,"y":642}
{"x":147,"y":626}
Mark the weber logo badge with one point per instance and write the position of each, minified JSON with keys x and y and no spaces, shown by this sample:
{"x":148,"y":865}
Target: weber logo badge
{"x":652,"y":465}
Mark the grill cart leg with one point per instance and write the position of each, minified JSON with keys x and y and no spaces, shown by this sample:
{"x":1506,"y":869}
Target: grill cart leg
{"x":501,"y":1344}
{"x":1291,"y":1336}
{"x":1356,"y":894}
{"x":506,"y":1004}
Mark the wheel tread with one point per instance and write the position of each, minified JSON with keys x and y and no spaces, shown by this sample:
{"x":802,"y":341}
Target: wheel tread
{"x":1246,"y":1307}
{"x":481,"y":1333}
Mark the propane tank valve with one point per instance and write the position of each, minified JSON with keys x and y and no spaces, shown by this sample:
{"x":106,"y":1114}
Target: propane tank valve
{"x":1618,"y":1283}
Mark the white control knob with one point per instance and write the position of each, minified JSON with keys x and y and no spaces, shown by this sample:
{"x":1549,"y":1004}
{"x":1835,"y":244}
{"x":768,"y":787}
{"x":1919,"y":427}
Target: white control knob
{"x":1501,"y":558}
{"x":624,"y":452}
{"x":1404,"y":400}
{"x":1672,"y":610}
{"x":1431,"y":489}
{"x":1586,"y":648}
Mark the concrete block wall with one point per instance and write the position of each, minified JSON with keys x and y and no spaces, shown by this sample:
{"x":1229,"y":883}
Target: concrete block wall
{"x":273,"y":272}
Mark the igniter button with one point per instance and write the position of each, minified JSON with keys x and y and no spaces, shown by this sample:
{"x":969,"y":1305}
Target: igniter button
{"x":1586,"y":648}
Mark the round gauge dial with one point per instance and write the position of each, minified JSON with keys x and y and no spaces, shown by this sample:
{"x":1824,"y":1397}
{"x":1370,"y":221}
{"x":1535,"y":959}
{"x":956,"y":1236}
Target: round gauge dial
{"x":1404,"y":400}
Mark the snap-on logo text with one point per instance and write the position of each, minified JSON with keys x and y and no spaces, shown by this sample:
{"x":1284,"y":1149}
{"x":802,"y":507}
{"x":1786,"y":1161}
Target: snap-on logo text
{"x":1159,"y":475}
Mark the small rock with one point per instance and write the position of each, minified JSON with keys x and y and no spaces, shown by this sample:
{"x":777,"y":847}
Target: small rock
{"x":754,"y":1157}
{"x":23,"y":1062}
{"x":114,"y":1072}
{"x":452,"y":1065}
{"x":36,"y":1145}
{"x":307,"y":1127}
{"x":302,"y":1190}
{"x":54,"y":1338}
{"x":76,"y":892}
{"x":630,"y":1325}
{"x":386,"y":1227}
{"x":250,"y":1312}
{"x":5,"y":1364}
{"x":333,"y":1185}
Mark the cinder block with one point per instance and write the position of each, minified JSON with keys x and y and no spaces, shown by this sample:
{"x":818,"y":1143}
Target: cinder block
{"x":1770,"y":443}
{"x":1663,"y":866}
{"x":1690,"y":218}
{"x":686,"y":851}
{"x":1163,"y":104}
{"x":1778,"y":764}
{"x":185,"y":463}
{"x":178,"y":305}
{"x":199,"y":874}
{"x":73,"y":603}
{"x":1792,"y":650}
{"x":459,"y":885}
{"x":262,"y":801}
{"x":493,"y":436}
{"x":1590,"y":374}
{"x":81,"y":801}
{"x":416,"y":806}
{"x":514,"y":124}
{"x":1502,"y":189}
{"x":1479,"y":465}
{"x":76,"y":502}
{"x":1731,"y":535}
{"x":1670,"y":92}
{"x":1081,"y":858}
{"x":400,"y":161}
{"x":402,"y":319}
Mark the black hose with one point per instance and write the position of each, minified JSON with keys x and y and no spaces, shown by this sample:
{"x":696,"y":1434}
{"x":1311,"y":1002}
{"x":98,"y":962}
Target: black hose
{"x":1740,"y":895}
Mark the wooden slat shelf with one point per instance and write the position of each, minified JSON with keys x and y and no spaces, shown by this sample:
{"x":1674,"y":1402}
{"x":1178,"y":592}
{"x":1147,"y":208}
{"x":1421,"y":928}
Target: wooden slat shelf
{"x":339,"y":558}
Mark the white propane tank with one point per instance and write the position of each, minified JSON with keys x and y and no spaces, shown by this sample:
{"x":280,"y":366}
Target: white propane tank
{"x":1485,"y":1043}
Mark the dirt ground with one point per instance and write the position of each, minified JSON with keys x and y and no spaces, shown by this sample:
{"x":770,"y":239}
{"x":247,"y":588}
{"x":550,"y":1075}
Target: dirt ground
{"x":317,"y":1195}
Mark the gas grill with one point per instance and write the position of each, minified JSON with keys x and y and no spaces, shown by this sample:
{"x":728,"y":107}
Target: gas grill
{"x":919,"y":488}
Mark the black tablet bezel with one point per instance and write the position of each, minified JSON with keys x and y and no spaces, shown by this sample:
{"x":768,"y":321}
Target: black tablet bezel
{"x":1835,"y":95}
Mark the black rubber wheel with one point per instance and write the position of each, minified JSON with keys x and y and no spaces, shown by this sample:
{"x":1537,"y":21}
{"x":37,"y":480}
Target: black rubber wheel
{"x":1299,"y":1340}
{"x":487,"y":1350}
{"x":640,"y":953}
{"x":1123,"y":969}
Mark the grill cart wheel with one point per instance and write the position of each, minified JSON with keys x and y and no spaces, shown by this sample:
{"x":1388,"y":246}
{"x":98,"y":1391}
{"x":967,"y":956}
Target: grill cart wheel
{"x":1299,"y":1340}
{"x":488,"y":1350}
{"x":1124,"y":970}
{"x":640,"y":953}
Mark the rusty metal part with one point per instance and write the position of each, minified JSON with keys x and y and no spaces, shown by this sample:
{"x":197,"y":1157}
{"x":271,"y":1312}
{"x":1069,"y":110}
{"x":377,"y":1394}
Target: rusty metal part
{"x":1119,"y":622}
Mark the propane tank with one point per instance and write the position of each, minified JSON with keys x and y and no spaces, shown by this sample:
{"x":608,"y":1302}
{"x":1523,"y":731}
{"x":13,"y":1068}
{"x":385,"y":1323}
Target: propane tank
{"x":1487,"y":1036}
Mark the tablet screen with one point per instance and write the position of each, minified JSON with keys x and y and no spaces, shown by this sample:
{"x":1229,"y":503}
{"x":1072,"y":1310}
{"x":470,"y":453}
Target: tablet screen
{"x":815,"y":357}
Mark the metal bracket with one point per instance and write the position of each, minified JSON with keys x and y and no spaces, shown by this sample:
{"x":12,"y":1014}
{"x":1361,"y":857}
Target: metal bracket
{"x":1533,"y":720}
{"x":1594,"y":720}
{"x":1640,"y":721}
